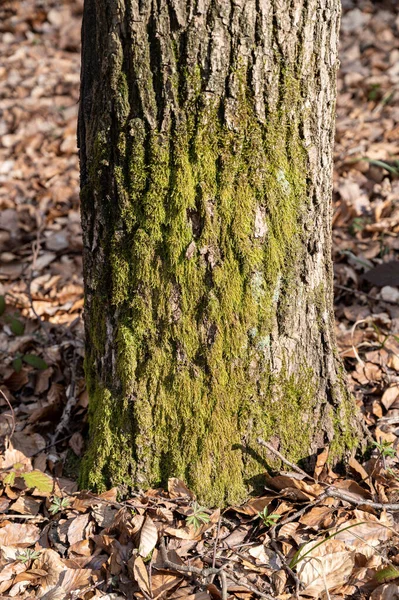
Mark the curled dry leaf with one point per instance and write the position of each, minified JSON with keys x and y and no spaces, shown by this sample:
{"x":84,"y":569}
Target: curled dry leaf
{"x":178,"y":489}
{"x":254,"y":506}
{"x":148,"y":537}
{"x":326,"y":567}
{"x":295,"y":486}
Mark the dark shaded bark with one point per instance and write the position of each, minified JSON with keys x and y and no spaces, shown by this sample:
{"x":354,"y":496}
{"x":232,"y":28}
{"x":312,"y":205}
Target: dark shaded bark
{"x":205,"y":132}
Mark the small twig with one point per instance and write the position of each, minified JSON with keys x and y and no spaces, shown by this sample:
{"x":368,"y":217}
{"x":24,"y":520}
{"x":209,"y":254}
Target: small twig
{"x":355,"y":292}
{"x":215,"y":546}
{"x":249,"y":587}
{"x":334,"y":492}
{"x":223,"y":581}
{"x":190,"y":570}
{"x":12,"y":413}
{"x":293,"y":466}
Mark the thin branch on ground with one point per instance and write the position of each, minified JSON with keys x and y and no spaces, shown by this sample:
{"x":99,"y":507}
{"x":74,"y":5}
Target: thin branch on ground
{"x":293,"y":466}
{"x":333,"y":492}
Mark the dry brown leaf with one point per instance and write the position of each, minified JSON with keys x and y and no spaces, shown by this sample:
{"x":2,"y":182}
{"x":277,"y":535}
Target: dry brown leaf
{"x":12,"y":457}
{"x":254,"y":506}
{"x":26,"y":505}
{"x":178,"y":489}
{"x":75,"y":579}
{"x":141,"y":575}
{"x":19,"y":534}
{"x":387,"y":591}
{"x":315,"y":517}
{"x":52,"y":565}
{"x":326,"y":567}
{"x":185,"y":593}
{"x":294,"y":485}
{"x":369,"y":531}
{"x":77,"y":528}
{"x":148,"y":537}
{"x":320,"y":462}
{"x":389,"y":396}
{"x":162,"y":583}
{"x":82,"y":548}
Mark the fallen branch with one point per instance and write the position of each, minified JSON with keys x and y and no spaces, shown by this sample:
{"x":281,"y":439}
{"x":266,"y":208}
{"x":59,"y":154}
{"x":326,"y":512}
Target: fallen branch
{"x":331,"y":491}
{"x":293,"y":466}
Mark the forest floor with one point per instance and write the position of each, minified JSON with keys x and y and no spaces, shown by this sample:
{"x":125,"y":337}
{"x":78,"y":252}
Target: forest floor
{"x":327,"y":536}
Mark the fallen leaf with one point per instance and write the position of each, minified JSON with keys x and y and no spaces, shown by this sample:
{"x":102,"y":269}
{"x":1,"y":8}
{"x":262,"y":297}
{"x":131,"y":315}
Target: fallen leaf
{"x":19,"y":534}
{"x":325,"y":568}
{"x":148,"y":537}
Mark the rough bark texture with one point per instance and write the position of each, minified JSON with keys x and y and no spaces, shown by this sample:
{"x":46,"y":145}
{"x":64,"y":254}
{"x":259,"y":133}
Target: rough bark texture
{"x":206,"y":132}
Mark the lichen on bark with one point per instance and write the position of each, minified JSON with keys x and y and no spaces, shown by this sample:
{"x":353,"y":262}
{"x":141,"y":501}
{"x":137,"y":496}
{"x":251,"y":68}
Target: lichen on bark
{"x":201,"y":182}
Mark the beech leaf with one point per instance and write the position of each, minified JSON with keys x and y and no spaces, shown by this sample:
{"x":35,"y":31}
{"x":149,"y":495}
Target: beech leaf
{"x":148,"y":537}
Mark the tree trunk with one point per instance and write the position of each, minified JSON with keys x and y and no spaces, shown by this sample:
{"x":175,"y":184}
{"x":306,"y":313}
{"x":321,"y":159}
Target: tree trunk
{"x":206,"y":132}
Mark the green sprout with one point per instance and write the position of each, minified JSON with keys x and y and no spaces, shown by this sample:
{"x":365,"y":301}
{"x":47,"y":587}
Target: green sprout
{"x":199,"y":516}
{"x":27,"y":556}
{"x":58,"y":504}
{"x":268,"y":520}
{"x":385,"y":448}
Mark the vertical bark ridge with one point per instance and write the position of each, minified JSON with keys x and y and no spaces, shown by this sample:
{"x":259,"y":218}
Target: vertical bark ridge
{"x":205,"y":134}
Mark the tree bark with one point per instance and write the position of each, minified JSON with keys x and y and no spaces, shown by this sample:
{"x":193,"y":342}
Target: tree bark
{"x":206,"y":131}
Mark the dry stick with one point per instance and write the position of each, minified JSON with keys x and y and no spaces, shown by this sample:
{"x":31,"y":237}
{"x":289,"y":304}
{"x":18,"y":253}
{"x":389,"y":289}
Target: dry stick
{"x":333,"y":492}
{"x":205,"y":572}
{"x":12,"y":412}
{"x":293,"y":466}
{"x":215,"y":546}
{"x":185,"y":568}
{"x":223,"y":580}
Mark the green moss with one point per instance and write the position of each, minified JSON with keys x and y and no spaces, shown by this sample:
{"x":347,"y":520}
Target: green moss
{"x":109,"y":458}
{"x":202,"y":240}
{"x":346,"y":431}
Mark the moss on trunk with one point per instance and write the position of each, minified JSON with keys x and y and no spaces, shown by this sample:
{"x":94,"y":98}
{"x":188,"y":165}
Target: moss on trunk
{"x":197,"y":209}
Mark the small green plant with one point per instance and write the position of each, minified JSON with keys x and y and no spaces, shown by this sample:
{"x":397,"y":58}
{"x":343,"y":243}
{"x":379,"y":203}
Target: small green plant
{"x":199,"y":516}
{"x":268,"y":520}
{"x":27,"y":556}
{"x":58,"y":505}
{"x":385,"y":448}
{"x":33,"y":479}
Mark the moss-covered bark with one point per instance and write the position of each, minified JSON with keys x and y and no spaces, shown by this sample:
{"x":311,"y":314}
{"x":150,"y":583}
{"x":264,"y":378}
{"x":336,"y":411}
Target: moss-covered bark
{"x":205,"y":133}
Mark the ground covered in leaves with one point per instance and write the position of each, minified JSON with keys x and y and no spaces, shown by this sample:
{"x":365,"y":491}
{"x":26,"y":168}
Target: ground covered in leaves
{"x":324,"y":535}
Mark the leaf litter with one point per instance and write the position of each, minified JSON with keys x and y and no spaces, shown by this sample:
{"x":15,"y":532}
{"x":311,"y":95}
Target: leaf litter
{"x":324,"y":536}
